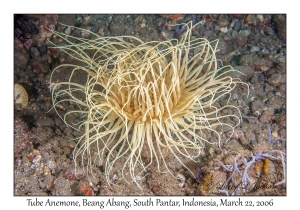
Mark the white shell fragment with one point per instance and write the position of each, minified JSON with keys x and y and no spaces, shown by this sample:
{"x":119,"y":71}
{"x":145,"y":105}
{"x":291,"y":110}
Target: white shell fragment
{"x":180,"y":177}
{"x":20,"y":97}
{"x":224,"y":29}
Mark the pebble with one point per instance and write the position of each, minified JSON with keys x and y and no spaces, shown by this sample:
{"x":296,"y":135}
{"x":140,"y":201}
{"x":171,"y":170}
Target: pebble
{"x":47,"y":170}
{"x":117,"y":29}
{"x":255,"y":49}
{"x":211,"y":151}
{"x":280,"y":94}
{"x":21,"y":57}
{"x":20,"y":97}
{"x":266,"y":116}
{"x":256,"y":38}
{"x":260,"y":17}
{"x":114,"y":177}
{"x":245,"y":141}
{"x":18,"y":162}
{"x":269,"y":31}
{"x":263,"y":64}
{"x":268,"y":88}
{"x":223,"y":48}
{"x":178,"y":165}
{"x":51,"y":165}
{"x":208,"y":34}
{"x":68,"y":131}
{"x":276,"y":79}
{"x":86,"y":33}
{"x":40,"y":64}
{"x":36,"y":161}
{"x":237,"y":26}
{"x":247,"y":60}
{"x":85,"y":189}
{"x":224,"y":29}
{"x":245,"y":32}
{"x":180,"y":177}
{"x":257,"y":107}
{"x":251,"y":20}
{"x":35,"y":52}
{"x":68,"y":30}
{"x":282,"y":121}
{"x":45,"y":122}
{"x":241,"y":40}
{"x":234,"y":34}
{"x":238,"y":134}
{"x":246,"y":73}
{"x":222,"y":21}
{"x":217,"y":28}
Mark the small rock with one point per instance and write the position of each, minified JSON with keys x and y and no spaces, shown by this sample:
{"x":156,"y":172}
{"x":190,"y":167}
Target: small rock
{"x":143,"y":32}
{"x":85,"y":189}
{"x":280,"y":94}
{"x":35,"y":52}
{"x":68,"y":30}
{"x":263,"y":64}
{"x":256,"y":38}
{"x":223,"y":48}
{"x":178,"y":165}
{"x":217,"y":28}
{"x":224,"y":29}
{"x":117,"y":29}
{"x":257,"y":107}
{"x":68,"y":131}
{"x":246,"y":72}
{"x":245,"y":32}
{"x":211,"y":151}
{"x":241,"y":40}
{"x":71,"y":175}
{"x":36,"y":161}
{"x":266,"y":116}
{"x":47,"y":170}
{"x":180,"y":177}
{"x":114,"y":178}
{"x":269,"y":31}
{"x":260,"y":17}
{"x":21,"y":57}
{"x":247,"y":60}
{"x":245,"y":141}
{"x":208,"y":34}
{"x":39,"y":64}
{"x":222,"y":21}
{"x":251,"y":20}
{"x":234,"y":34}
{"x":238,"y":134}
{"x":237,"y":26}
{"x":45,"y":122}
{"x":282,"y":121}
{"x":268,"y":88}
{"x":276,"y":79}
{"x":255,"y":49}
{"x":20,"y":97}
{"x":51,"y":165}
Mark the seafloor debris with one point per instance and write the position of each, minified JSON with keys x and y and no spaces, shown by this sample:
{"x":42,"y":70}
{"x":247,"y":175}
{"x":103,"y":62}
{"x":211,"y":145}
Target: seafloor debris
{"x":242,"y":168}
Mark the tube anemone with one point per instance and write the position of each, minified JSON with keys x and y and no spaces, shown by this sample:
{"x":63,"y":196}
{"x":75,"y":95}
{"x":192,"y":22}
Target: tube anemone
{"x":141,"y":98}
